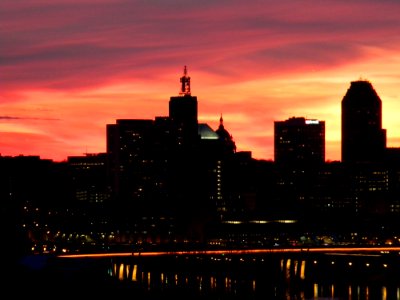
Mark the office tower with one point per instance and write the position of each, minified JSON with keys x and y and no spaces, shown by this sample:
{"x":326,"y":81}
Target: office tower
{"x":363,"y":139}
{"x":172,"y":166}
{"x":299,"y":141}
{"x":90,"y":182}
{"x":217,"y":151}
{"x":183,"y":114}
{"x":138,"y":158}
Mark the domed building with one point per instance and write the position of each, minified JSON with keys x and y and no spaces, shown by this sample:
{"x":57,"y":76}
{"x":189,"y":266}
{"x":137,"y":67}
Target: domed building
{"x":225,"y":137}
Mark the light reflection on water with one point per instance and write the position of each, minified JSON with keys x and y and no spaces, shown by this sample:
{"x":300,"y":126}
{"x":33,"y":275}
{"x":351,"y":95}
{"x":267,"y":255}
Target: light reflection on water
{"x":287,"y":279}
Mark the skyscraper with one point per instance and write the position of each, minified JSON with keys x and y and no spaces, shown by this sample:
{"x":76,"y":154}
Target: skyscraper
{"x":183,"y":114}
{"x":299,"y":141}
{"x":363,"y":139}
{"x":171,"y":166}
{"x":137,"y":153}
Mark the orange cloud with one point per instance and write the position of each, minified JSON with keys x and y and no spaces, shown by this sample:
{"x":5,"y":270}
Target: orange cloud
{"x":69,"y":68}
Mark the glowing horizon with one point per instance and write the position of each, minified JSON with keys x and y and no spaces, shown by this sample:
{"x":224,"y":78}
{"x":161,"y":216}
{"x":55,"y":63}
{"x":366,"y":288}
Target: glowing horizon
{"x":68,"y":68}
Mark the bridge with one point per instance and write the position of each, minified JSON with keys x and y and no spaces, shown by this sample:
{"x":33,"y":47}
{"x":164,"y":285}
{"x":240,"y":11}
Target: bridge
{"x":344,"y":250}
{"x":292,"y":264}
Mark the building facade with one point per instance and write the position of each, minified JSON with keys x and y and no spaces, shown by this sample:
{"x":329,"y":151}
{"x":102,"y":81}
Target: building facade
{"x":299,"y":141}
{"x":172,"y":166}
{"x":363,"y":139}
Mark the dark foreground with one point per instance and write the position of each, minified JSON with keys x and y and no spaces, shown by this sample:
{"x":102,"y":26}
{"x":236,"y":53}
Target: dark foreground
{"x":208,"y":277}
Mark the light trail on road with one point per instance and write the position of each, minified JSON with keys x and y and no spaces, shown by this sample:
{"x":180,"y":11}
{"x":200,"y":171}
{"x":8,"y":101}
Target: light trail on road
{"x":343,"y":250}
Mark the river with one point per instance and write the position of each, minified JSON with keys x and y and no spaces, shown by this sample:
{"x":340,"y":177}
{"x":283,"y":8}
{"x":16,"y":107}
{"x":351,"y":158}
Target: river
{"x":278,"y":276}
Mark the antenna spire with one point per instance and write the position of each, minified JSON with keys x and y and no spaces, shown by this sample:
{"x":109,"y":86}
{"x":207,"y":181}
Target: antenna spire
{"x":185,"y":83}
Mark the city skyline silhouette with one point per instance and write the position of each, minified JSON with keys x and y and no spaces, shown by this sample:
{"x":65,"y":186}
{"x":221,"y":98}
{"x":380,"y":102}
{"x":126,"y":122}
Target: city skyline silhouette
{"x":200,"y":140}
{"x":182,"y":182}
{"x":62,"y":79}
{"x":185,"y":91}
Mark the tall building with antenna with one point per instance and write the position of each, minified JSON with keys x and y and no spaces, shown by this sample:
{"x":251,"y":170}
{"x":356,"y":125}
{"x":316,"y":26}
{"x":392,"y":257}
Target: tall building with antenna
{"x":171,"y":166}
{"x":183,"y":114}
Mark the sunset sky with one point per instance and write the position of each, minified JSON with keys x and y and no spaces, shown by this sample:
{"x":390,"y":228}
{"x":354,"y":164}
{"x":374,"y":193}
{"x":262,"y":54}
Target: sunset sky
{"x":69,"y":67}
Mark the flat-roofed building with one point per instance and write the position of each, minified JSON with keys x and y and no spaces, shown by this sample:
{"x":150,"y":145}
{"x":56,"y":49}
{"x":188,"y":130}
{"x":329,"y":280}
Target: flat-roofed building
{"x":299,"y":141}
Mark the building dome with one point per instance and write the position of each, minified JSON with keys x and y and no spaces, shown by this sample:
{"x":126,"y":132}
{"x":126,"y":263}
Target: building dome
{"x":225,"y":136}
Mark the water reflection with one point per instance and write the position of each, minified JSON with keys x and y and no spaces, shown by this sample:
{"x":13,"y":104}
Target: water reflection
{"x":303,"y":278}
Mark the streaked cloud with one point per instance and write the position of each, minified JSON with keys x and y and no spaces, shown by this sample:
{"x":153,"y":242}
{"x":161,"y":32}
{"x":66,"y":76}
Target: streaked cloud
{"x":86,"y":63}
{"x":19,"y":118}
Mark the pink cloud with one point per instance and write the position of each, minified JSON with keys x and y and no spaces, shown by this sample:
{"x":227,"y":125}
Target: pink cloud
{"x":87,"y":63}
